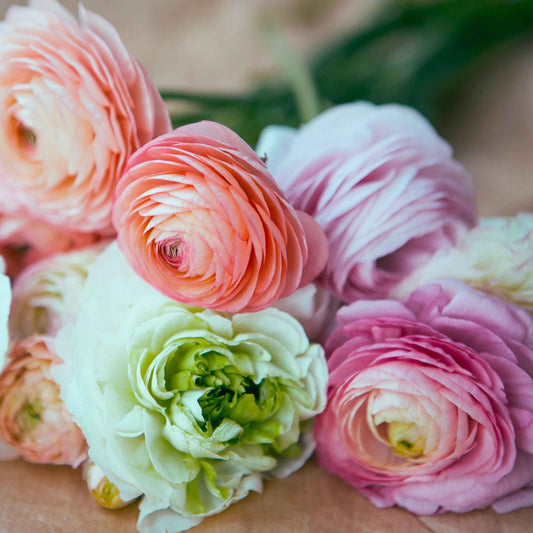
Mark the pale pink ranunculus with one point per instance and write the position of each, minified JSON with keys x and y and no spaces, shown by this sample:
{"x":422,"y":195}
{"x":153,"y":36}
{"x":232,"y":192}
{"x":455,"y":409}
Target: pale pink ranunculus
{"x":24,"y":241}
{"x":74,"y":104}
{"x":382,"y":184}
{"x":200,"y":218}
{"x":430,"y":402}
{"x":34,"y":422}
{"x":47,"y":295}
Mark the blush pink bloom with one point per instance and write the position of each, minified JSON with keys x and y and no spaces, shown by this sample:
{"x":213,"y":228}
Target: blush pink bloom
{"x":33,"y":419}
{"x":23,"y":241}
{"x":200,"y":218}
{"x":73,"y":106}
{"x":383,"y":186}
{"x":430,"y":402}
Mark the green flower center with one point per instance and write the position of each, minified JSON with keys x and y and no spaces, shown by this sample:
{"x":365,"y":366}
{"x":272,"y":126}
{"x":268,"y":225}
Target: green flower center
{"x":229,"y":393}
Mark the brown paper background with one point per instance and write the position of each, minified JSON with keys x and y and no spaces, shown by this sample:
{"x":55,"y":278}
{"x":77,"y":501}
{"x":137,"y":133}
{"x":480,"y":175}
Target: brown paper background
{"x":216,"y":45}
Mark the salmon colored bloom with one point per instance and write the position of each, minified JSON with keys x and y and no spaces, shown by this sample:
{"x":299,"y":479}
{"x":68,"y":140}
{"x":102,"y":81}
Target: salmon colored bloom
{"x":200,"y":218}
{"x":73,"y":106}
{"x":33,"y":419}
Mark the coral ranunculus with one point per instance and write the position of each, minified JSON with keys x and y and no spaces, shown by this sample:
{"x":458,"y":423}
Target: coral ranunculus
{"x":73,"y":106}
{"x":430,"y":402}
{"x":33,"y":419}
{"x":200,"y":218}
{"x":383,"y":186}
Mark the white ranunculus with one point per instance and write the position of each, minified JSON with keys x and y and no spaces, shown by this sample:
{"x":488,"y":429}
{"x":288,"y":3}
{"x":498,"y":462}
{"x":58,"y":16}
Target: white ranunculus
{"x":495,"y":257}
{"x":190,"y":407}
{"x":5,"y":302}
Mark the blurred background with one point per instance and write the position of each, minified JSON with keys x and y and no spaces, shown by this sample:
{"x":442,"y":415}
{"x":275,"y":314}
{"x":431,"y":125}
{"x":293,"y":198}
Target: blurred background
{"x":223,"y":46}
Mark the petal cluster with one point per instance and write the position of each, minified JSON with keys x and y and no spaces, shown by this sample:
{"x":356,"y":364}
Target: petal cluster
{"x":199,"y":217}
{"x":383,"y":186}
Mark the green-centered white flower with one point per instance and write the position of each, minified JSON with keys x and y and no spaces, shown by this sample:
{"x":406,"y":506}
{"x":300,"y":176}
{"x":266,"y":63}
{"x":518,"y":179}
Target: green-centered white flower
{"x":188,"y":406}
{"x":495,"y":257}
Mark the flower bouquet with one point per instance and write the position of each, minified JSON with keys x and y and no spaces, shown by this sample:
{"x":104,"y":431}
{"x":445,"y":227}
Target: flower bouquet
{"x":185,"y":318}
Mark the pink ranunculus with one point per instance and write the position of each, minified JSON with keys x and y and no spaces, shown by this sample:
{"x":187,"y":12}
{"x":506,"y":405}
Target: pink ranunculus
{"x":430,"y":402}
{"x":383,"y":186}
{"x":200,"y":218}
{"x":73,"y":106}
{"x":24,"y":241}
{"x":33,"y":419}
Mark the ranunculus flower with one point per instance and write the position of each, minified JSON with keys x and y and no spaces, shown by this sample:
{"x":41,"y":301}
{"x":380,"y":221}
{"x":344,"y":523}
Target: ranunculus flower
{"x":105,"y":493}
{"x":33,"y":419}
{"x":5,"y":302}
{"x":73,"y":106}
{"x":185,"y":405}
{"x":383,"y":186}
{"x":47,"y":295}
{"x":25,"y":240}
{"x":200,"y":218}
{"x":430,"y":402}
{"x":495,"y":257}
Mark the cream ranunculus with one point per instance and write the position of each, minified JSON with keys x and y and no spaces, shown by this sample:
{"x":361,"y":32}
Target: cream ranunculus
{"x":188,"y":406}
{"x":47,"y":294}
{"x":494,"y":257}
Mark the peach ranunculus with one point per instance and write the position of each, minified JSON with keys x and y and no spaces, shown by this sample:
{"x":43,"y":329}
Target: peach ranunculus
{"x":33,"y":419}
{"x":73,"y":106}
{"x":382,"y":184}
{"x":24,"y":241}
{"x":47,"y":294}
{"x":200,"y":218}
